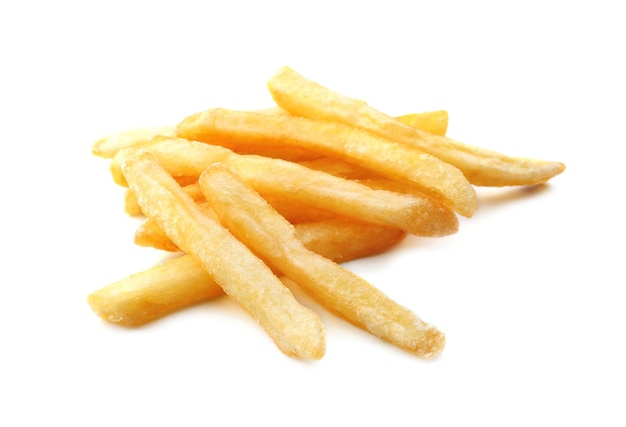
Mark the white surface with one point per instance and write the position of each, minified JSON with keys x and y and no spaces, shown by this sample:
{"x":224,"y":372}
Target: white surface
{"x":529,"y":292}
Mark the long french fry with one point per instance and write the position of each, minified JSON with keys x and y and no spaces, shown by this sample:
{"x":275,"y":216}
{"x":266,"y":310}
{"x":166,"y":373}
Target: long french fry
{"x":249,"y":217}
{"x":296,"y":330}
{"x":415,"y":214}
{"x":306,"y":98}
{"x":234,"y":129}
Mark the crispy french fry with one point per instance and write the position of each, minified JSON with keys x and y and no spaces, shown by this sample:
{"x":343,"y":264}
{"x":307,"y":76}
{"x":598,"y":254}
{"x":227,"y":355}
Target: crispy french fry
{"x":432,"y":176}
{"x":306,"y":98}
{"x":435,"y":122}
{"x":249,"y":217}
{"x":415,"y":214}
{"x":145,"y":296}
{"x":109,"y":145}
{"x":296,"y":330}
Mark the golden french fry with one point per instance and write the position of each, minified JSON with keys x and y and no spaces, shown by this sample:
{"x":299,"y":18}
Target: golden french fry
{"x":296,"y":330}
{"x":306,"y":98}
{"x":109,"y":145}
{"x":432,"y":176}
{"x":435,"y":122}
{"x":429,"y":121}
{"x":145,"y":296}
{"x":415,"y":214}
{"x":249,"y":217}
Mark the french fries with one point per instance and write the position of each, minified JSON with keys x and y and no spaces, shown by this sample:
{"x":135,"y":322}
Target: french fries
{"x":256,"y":202}
{"x":303,"y":97}
{"x":237,"y":129}
{"x":182,"y":281}
{"x":250,"y":218}
{"x":415,"y":214}
{"x":296,"y":330}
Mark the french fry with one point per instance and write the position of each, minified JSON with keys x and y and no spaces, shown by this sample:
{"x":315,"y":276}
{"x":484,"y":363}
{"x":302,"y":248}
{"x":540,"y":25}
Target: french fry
{"x":249,"y":217}
{"x":303,"y":97}
{"x":109,"y":145}
{"x":150,"y":294}
{"x":415,"y":214}
{"x":234,"y":129}
{"x":296,"y":330}
{"x":435,"y":122}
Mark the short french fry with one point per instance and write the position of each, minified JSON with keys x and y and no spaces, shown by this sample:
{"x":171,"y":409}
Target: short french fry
{"x":435,"y":122}
{"x":415,"y":214}
{"x":303,"y":97}
{"x":249,"y":217}
{"x":145,"y":296}
{"x":234,"y":129}
{"x":296,"y":330}
{"x":109,"y":145}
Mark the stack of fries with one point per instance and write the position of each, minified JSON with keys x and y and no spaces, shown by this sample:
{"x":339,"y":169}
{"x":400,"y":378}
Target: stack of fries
{"x":257,"y":201}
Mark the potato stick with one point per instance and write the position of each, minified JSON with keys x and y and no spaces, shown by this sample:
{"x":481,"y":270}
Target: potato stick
{"x":131,"y":207}
{"x":338,"y":168}
{"x":306,"y":98}
{"x":296,"y":330}
{"x":435,"y":122}
{"x":395,"y":160}
{"x":249,"y":217}
{"x":150,"y":294}
{"x":429,"y":121}
{"x":109,"y":145}
{"x":415,"y":214}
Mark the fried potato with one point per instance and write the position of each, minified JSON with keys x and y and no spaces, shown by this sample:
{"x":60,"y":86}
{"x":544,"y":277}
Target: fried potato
{"x":296,"y":330}
{"x":182,"y":281}
{"x":109,"y":145}
{"x":145,"y":296}
{"x":249,"y":217}
{"x":234,"y":129}
{"x":415,"y":214}
{"x":303,"y":97}
{"x":435,"y":122}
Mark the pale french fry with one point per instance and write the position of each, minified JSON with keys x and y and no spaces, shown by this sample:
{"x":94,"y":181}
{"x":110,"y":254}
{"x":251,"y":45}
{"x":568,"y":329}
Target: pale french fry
{"x":415,"y":214}
{"x":145,"y":296}
{"x":303,"y":97}
{"x":234,"y":129}
{"x":296,"y":330}
{"x":109,"y":145}
{"x":131,"y":207}
{"x":249,"y":217}
{"x":435,"y":122}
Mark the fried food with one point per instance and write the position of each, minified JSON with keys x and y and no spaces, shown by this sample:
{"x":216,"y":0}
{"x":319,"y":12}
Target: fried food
{"x":303,"y":97}
{"x":234,"y":129}
{"x":182,"y":281}
{"x":109,"y":145}
{"x":295,"y":329}
{"x":416,"y":213}
{"x":251,"y":219}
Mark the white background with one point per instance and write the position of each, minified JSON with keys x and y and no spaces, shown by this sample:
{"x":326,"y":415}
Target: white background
{"x":528,"y":292}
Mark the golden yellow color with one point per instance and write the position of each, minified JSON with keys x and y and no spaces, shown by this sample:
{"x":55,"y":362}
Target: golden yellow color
{"x":250,"y":218}
{"x":234,"y":129}
{"x":303,"y":97}
{"x":296,"y":330}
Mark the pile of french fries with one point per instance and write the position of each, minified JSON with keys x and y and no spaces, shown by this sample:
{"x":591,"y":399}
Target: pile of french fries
{"x":257,"y":202}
